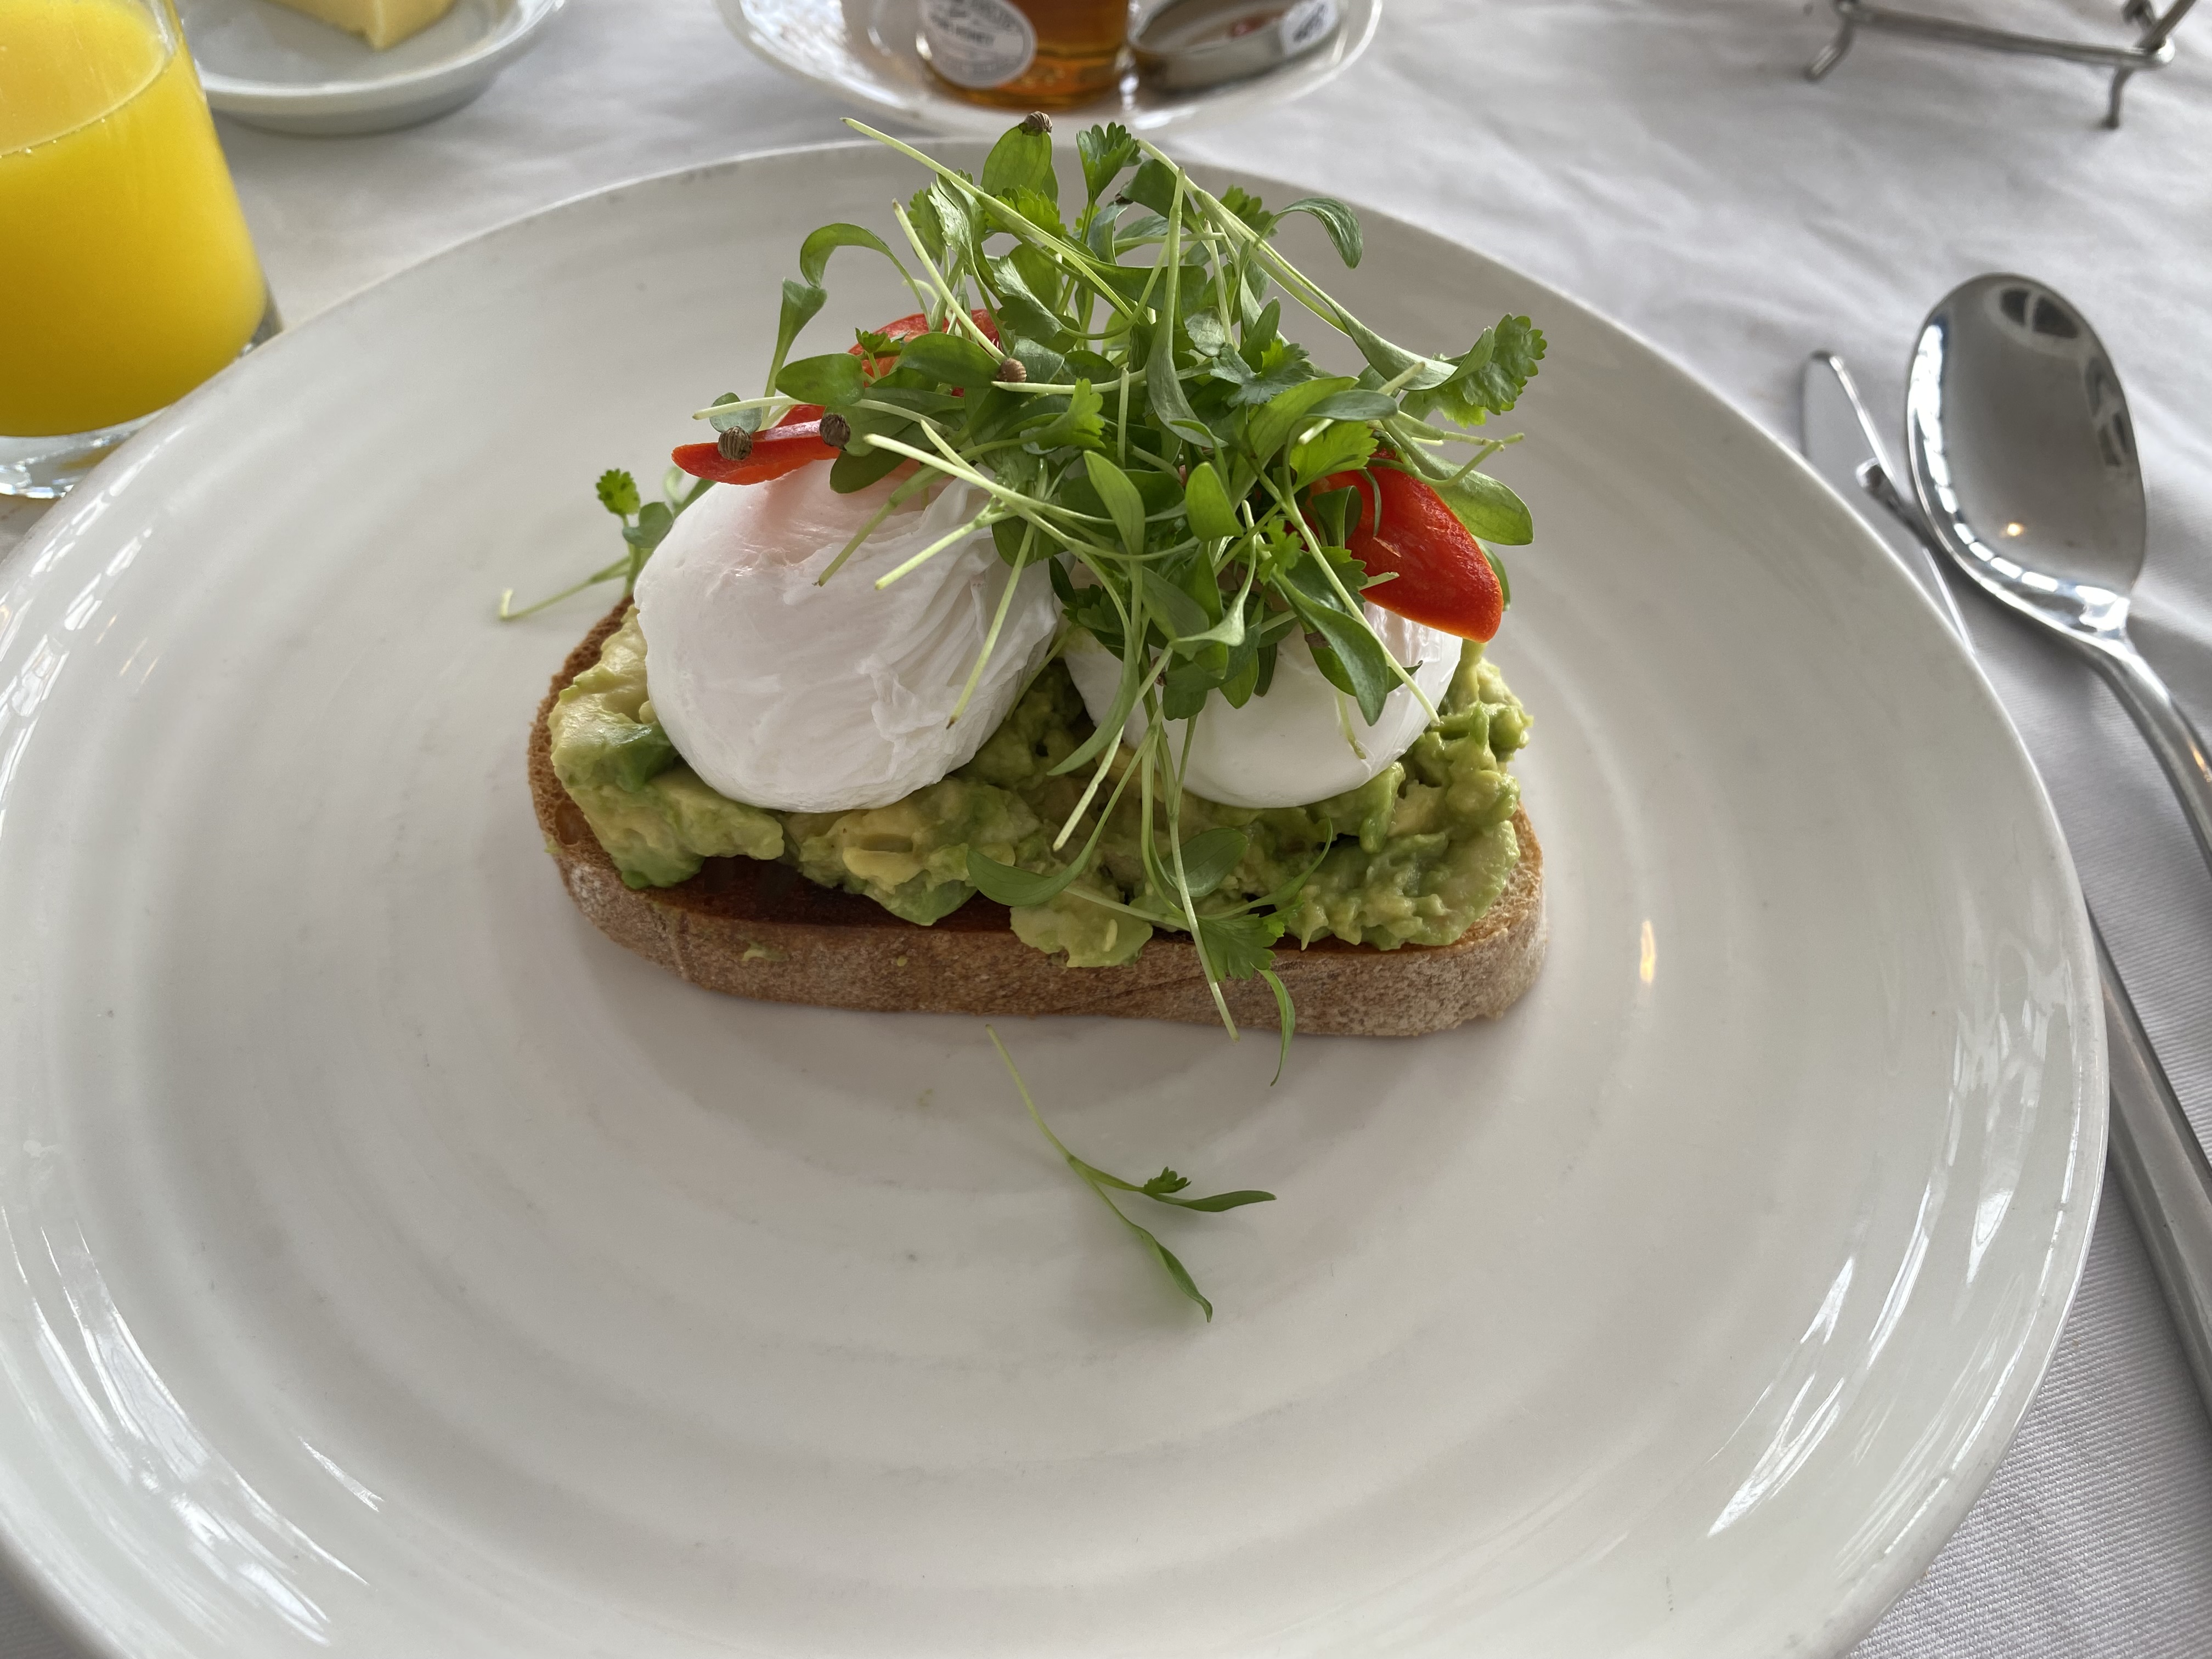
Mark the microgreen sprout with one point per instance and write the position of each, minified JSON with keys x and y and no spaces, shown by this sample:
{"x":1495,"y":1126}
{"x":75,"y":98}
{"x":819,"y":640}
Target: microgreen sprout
{"x":1165,"y":1188}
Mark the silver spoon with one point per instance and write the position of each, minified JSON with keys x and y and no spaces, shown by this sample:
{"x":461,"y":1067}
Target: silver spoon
{"x":2024,"y":460}
{"x":2159,"y":1162}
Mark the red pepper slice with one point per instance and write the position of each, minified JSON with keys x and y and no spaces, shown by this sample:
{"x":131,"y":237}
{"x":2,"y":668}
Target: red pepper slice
{"x":796,"y":441}
{"x":1402,"y":527}
{"x":905,"y":328}
{"x":779,"y":450}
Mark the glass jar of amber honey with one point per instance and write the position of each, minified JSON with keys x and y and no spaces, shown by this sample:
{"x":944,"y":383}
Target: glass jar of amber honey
{"x":1026,"y":54}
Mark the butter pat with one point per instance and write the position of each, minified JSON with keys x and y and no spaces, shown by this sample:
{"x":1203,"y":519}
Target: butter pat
{"x":380,"y":23}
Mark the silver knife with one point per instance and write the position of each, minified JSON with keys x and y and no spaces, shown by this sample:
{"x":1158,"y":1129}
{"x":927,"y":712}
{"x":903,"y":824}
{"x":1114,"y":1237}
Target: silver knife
{"x":2159,"y":1162}
{"x":1842,"y":444}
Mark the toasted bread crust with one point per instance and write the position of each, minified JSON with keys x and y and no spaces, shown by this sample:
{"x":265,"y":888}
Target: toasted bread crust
{"x":761,"y":930}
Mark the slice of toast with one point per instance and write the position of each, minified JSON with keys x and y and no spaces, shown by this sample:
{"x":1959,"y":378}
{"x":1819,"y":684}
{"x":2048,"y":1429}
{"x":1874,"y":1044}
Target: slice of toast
{"x":762,"y":930}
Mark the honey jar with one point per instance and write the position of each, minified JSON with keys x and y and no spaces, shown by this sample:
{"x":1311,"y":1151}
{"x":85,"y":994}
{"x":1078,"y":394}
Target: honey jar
{"x":1026,"y":54}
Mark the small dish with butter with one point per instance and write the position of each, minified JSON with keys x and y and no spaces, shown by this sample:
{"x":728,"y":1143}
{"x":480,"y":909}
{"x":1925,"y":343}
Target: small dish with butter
{"x":334,"y":67}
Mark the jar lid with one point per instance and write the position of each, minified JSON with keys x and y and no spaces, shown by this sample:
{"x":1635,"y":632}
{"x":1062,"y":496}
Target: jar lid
{"x":1188,"y":44}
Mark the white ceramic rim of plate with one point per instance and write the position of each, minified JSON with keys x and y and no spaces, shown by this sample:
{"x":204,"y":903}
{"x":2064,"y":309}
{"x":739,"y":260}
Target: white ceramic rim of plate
{"x":950,"y":117}
{"x":2041,"y":1324}
{"x":517,"y":31}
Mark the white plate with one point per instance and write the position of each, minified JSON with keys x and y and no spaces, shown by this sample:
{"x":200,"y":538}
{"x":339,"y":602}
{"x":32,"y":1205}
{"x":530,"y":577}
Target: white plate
{"x":397,"y":1267}
{"x":863,"y":50}
{"x":271,"y":67}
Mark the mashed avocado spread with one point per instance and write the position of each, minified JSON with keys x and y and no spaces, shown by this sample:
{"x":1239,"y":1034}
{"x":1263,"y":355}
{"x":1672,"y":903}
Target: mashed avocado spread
{"x":1414,"y":856}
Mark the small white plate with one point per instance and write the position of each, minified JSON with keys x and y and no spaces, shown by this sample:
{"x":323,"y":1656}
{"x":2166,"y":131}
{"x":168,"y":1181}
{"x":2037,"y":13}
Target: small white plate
{"x":863,"y":52}
{"x":391,"y":1265}
{"x":272,"y":67}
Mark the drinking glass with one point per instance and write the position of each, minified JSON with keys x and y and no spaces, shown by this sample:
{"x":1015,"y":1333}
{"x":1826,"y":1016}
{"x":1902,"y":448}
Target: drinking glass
{"x":127,"y":275}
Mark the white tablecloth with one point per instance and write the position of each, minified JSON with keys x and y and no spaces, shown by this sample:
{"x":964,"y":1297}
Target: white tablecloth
{"x":1663,"y":160}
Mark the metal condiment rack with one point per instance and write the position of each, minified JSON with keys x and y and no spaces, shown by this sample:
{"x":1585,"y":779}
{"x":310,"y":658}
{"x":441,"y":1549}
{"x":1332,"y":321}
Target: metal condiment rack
{"x":2154,"y":48}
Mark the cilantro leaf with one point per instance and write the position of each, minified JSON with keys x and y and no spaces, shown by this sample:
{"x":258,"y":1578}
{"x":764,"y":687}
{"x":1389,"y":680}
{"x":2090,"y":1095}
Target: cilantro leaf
{"x":1513,"y":364}
{"x":1282,"y":366}
{"x":1079,"y":423}
{"x":1041,"y":209}
{"x":1340,"y":446}
{"x":1230,"y":367}
{"x":1237,"y":946}
{"x":955,"y":226}
{"x":1246,"y":206}
{"x":1105,"y":151}
{"x":1152,"y":185}
{"x":1488,"y":379}
{"x":617,"y":492}
{"x":1022,"y":308}
{"x":928,"y":229}
{"x":1208,"y":337}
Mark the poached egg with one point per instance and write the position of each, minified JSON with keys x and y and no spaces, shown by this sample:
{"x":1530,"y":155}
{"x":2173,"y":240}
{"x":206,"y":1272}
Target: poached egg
{"x":1295,"y":746}
{"x":801,"y":698}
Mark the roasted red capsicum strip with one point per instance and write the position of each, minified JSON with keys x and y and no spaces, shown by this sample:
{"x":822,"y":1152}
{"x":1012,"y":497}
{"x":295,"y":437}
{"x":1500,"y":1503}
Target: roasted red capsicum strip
{"x":796,"y":440}
{"x":1401,"y":527}
{"x":779,"y":450}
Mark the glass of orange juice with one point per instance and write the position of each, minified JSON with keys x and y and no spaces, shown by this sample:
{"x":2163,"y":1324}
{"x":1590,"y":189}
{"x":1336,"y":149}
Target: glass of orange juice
{"x":127,"y":275}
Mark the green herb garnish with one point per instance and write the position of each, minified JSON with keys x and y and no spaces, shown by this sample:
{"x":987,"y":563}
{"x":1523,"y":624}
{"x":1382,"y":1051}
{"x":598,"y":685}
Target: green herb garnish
{"x":1140,"y":419}
{"x":1160,"y":435}
{"x":1165,"y":1188}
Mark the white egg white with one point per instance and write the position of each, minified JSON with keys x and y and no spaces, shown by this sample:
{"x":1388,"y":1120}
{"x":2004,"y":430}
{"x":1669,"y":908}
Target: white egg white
{"x":786,"y":694}
{"x":1304,"y":741}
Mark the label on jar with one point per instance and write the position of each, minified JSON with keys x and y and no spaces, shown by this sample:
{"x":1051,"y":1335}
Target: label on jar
{"x":978,"y":43}
{"x":1307,"y":24}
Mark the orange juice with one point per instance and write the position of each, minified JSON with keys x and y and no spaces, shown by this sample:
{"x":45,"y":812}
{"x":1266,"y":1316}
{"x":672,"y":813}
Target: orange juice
{"x":127,"y":275}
